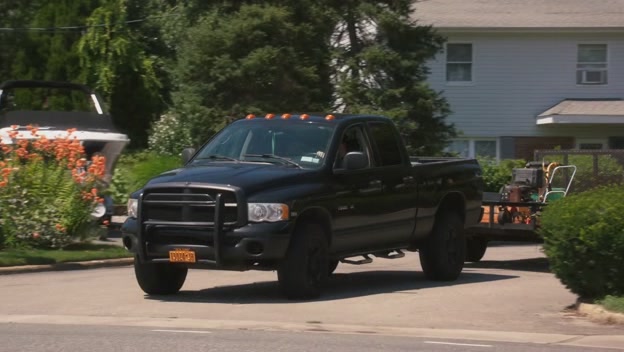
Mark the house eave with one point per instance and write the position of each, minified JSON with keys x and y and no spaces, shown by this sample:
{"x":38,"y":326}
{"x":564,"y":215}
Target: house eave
{"x":580,"y":120}
{"x":443,"y":29}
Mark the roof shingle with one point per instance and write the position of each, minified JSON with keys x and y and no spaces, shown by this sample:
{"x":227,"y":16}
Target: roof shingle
{"x":520,"y":14}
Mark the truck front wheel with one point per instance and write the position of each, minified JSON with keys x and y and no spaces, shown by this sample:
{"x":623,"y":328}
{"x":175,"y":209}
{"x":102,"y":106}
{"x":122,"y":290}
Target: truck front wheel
{"x":442,"y":255}
{"x":305,"y":269}
{"x":159,"y":278}
{"x":475,"y":249}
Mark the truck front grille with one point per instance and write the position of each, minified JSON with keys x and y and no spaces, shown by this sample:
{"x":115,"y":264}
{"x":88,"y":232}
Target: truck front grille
{"x":188,"y":205}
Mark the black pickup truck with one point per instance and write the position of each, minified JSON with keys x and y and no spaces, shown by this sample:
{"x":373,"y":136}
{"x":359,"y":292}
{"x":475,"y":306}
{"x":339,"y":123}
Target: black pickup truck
{"x":298,"y":194}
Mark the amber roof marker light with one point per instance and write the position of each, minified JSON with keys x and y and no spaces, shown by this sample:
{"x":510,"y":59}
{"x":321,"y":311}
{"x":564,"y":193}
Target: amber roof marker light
{"x":250,"y":116}
{"x":286,"y":116}
{"x":269,"y":116}
{"x":305,"y":116}
{"x":330,"y":117}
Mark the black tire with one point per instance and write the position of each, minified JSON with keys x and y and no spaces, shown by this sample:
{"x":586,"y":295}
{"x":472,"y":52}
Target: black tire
{"x":159,"y":278}
{"x":442,"y":255}
{"x":333,"y":264}
{"x":303,"y":272}
{"x":475,"y":249}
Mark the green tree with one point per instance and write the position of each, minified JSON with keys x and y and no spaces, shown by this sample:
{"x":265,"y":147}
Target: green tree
{"x":49,"y":51}
{"x":258,"y":58}
{"x":379,"y":56}
{"x":119,"y":57}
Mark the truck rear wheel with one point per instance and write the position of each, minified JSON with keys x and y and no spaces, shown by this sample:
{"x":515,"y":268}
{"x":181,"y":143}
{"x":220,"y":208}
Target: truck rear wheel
{"x":305,"y":269}
{"x":159,"y":278}
{"x":443,"y":253}
{"x":475,"y":249}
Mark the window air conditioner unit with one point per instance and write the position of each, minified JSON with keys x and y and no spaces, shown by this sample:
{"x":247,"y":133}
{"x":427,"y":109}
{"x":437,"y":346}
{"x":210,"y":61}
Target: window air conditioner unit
{"x":593,"y":77}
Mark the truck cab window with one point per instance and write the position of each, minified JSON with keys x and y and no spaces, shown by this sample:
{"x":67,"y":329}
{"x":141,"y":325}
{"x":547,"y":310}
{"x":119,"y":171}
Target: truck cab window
{"x":387,"y":143}
{"x":352,"y":140}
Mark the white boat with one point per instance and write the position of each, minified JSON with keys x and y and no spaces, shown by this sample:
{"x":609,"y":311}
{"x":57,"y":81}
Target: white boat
{"x":53,"y":108}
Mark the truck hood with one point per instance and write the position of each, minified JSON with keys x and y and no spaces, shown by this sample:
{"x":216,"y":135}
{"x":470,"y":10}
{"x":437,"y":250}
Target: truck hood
{"x":250,"y":177}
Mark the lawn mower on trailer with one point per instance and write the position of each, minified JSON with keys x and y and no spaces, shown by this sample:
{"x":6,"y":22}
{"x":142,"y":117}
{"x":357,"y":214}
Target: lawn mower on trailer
{"x":512,"y":214}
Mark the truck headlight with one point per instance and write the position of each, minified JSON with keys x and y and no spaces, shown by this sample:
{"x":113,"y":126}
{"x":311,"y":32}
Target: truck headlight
{"x":258,"y":212}
{"x":133,"y":205}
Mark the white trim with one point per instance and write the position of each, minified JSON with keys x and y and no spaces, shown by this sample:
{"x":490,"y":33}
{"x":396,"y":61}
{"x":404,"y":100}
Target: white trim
{"x":581,"y":119}
{"x":464,"y":30}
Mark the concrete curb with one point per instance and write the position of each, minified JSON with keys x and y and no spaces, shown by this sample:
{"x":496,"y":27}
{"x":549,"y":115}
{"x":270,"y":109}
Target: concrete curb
{"x":104,"y":263}
{"x":598,"y":314}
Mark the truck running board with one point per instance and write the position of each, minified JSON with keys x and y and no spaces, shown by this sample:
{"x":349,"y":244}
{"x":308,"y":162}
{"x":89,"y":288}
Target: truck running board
{"x":366,"y":260}
{"x":389,"y":255}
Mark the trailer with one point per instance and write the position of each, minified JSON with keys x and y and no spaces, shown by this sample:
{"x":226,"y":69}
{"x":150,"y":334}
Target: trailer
{"x":512,"y":214}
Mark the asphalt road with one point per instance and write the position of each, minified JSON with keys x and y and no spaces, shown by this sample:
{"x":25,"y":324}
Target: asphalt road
{"x":40,"y":338}
{"x":509,"y":298}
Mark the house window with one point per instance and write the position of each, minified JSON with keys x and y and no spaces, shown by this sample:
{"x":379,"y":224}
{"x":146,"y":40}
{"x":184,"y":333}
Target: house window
{"x":459,"y":62}
{"x":591,"y":64}
{"x":485,"y":148}
{"x":583,"y":143}
{"x":473,"y":148}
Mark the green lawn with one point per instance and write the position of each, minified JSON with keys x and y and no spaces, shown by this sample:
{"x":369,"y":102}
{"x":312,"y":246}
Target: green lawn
{"x":73,"y":253}
{"x":613,"y":303}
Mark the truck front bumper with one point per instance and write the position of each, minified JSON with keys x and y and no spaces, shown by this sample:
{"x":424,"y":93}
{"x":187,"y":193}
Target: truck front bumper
{"x":240,"y":247}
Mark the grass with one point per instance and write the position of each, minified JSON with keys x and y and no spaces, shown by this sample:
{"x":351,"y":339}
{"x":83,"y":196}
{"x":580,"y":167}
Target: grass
{"x":74,"y":253}
{"x":613,"y":303}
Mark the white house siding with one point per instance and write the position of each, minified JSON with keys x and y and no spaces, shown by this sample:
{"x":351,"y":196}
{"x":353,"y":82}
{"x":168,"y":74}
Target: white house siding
{"x":517,"y":76}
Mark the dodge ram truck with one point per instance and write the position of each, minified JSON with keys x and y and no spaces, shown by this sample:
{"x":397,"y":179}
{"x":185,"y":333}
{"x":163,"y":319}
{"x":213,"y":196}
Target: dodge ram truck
{"x":299,"y":194}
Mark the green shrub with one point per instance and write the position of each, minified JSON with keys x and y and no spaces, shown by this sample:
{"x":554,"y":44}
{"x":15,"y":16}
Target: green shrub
{"x":584,"y":241}
{"x":133,"y":170}
{"x":496,"y":175}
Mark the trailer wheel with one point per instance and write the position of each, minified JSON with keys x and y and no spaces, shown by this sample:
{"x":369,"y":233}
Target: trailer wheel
{"x":302,"y":274}
{"x":443,"y":253}
{"x":159,"y":278}
{"x":475,"y":249}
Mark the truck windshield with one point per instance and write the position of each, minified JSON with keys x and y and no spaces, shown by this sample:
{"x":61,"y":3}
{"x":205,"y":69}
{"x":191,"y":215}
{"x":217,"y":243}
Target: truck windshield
{"x":287,"y":143}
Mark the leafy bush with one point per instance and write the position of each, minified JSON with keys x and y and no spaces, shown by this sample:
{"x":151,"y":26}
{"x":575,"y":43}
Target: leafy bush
{"x":496,"y":175}
{"x":169,"y":136}
{"x":133,"y":170}
{"x":584,"y":241}
{"x":47,"y":191}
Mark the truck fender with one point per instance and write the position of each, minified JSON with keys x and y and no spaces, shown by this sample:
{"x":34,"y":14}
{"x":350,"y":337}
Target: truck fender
{"x":317,"y":215}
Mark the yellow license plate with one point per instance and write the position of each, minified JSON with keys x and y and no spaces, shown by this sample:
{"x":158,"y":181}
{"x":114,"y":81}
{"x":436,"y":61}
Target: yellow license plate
{"x":182,"y":256}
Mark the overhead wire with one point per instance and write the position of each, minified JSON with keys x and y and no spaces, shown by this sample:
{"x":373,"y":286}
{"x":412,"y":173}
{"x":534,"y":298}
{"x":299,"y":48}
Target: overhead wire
{"x":78,"y":28}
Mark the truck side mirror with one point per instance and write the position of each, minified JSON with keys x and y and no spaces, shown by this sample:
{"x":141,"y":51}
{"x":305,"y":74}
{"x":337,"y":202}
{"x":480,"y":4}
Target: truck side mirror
{"x":355,"y":161}
{"x":187,"y":154}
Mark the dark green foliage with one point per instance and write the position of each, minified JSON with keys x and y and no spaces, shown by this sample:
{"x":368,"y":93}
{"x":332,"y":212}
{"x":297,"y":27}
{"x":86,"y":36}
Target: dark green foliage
{"x":379,"y":55}
{"x":260,"y":59}
{"x":133,"y":170}
{"x":584,"y":241}
{"x":496,"y":175}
